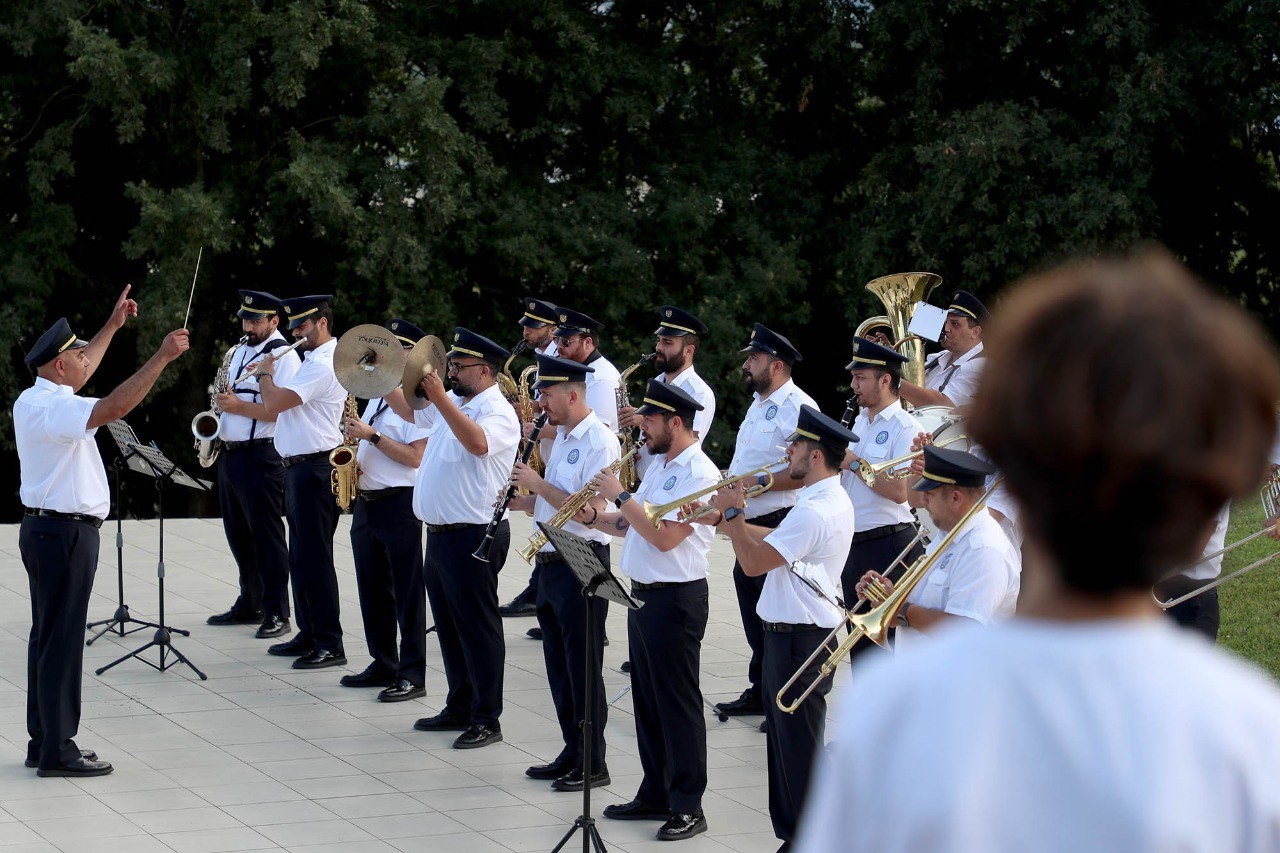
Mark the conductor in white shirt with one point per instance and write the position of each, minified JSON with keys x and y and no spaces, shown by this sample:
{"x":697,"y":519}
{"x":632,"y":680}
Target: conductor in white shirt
{"x":1125,"y":405}
{"x":65,"y":495}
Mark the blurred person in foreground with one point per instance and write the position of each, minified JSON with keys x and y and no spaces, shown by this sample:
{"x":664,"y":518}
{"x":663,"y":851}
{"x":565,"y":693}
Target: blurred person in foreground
{"x":1125,"y":404}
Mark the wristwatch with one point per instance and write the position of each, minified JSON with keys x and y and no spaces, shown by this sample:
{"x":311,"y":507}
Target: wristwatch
{"x":622,"y":498}
{"x":375,"y":438}
{"x":731,"y":513}
{"x":902,"y":617}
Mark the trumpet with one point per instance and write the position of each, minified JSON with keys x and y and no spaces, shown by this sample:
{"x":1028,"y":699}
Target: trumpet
{"x":875,"y":623}
{"x":869,"y":472}
{"x":656,"y":512}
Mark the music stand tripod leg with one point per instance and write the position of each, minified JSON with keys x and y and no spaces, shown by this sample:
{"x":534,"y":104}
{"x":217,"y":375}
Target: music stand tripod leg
{"x":116,"y":624}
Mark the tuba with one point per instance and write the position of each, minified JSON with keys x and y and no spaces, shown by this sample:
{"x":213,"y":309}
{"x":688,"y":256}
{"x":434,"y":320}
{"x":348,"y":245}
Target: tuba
{"x":900,"y":292}
{"x":628,"y":475}
{"x":342,"y":479}
{"x":207,"y":425}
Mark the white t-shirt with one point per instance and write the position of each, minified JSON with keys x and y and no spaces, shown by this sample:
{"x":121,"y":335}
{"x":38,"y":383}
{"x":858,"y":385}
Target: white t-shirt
{"x":315,"y":425}
{"x":1120,"y":736}
{"x":58,"y":459}
{"x":377,"y":469}
{"x":818,"y":531}
{"x":240,"y":427}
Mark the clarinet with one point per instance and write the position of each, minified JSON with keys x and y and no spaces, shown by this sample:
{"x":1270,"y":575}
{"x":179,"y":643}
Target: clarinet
{"x":850,"y":412}
{"x":526,"y":450}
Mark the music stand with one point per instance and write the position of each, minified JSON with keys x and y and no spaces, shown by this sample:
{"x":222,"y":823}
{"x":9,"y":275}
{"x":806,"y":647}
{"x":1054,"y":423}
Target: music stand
{"x":123,"y":435}
{"x":596,"y":580}
{"x":164,"y":471}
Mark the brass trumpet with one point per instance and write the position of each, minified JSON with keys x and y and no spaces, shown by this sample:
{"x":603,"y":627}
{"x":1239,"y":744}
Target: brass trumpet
{"x":869,"y":472}
{"x":656,"y":512}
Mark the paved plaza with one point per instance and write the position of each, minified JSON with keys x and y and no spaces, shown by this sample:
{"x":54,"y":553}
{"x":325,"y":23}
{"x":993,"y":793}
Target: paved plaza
{"x":264,"y":757}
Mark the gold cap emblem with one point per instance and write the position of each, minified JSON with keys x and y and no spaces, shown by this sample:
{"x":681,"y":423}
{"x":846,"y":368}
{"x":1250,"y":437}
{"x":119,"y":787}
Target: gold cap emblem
{"x":395,"y":326}
{"x":532,"y":306}
{"x":668,"y":314}
{"x":855,"y":347}
{"x":248,"y":300}
{"x":564,"y":318}
{"x":456,"y":337}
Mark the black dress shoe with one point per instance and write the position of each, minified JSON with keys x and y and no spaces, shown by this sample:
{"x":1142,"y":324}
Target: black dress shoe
{"x":534,"y":633}
{"x":626,"y":667}
{"x":746,"y":705}
{"x":295,"y":648}
{"x":320,"y":659}
{"x":572,"y":781}
{"x":554,"y":770}
{"x":402,"y":691}
{"x":635,"y":810}
{"x":519,"y":606}
{"x":682,"y":826}
{"x":235,"y":617}
{"x":478,"y":736}
{"x":86,"y":754}
{"x":272,"y":626}
{"x":371,"y":677}
{"x":445,"y":721}
{"x":77,"y":767}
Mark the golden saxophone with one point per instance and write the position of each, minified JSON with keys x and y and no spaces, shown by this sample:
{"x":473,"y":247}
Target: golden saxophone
{"x":207,"y":426}
{"x":627,"y":436}
{"x":342,"y":479}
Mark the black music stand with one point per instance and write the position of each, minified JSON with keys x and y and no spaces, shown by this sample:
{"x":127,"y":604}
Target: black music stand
{"x":123,"y":435}
{"x":596,"y":580}
{"x":164,"y":471}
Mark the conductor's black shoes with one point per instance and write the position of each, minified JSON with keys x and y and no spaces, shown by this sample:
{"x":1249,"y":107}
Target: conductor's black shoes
{"x":77,"y":767}
{"x":87,"y":754}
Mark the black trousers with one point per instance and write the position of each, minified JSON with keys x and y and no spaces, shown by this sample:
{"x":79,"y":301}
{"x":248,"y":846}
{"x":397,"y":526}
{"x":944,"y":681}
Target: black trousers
{"x":666,"y":651}
{"x":464,"y":601}
{"x":313,"y":514}
{"x":251,"y":494}
{"x":562,"y":615}
{"x":1199,"y":613}
{"x":386,"y":541}
{"x":748,"y":589}
{"x":874,"y":555}
{"x":793,"y":740}
{"x":61,"y":558}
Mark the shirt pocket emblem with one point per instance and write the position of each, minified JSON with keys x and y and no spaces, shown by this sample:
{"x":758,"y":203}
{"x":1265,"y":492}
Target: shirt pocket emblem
{"x":771,"y":412}
{"x":882,"y":436}
{"x":573,"y":456}
{"x":670,"y":484}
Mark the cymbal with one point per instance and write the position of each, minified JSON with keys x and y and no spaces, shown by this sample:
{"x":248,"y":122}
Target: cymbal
{"x":368,"y":361}
{"x":427,"y":355}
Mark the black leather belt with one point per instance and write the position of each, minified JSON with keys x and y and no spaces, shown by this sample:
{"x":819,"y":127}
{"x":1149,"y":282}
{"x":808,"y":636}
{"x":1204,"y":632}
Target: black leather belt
{"x":770,"y":519}
{"x":91,"y":520}
{"x":380,"y":494}
{"x":449,"y":528}
{"x":554,"y":557}
{"x":290,"y":461}
{"x":881,"y":532}
{"x":636,"y":586}
{"x":787,"y":627}
{"x":241,"y":445}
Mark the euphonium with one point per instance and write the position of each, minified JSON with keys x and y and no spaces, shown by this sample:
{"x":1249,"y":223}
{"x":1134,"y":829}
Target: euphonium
{"x":627,"y":436}
{"x":526,"y":410}
{"x":207,"y":425}
{"x":900,"y":292}
{"x":342,"y":479}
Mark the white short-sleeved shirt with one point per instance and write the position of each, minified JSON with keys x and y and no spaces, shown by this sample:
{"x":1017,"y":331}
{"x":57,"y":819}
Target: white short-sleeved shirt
{"x":817,"y":531}
{"x":1209,"y":569}
{"x":454,"y":486}
{"x":377,"y":469}
{"x":977,"y":577}
{"x":315,"y":425}
{"x":1104,"y":736}
{"x":687,"y":380}
{"x":58,"y":460}
{"x":240,"y":427}
{"x":955,"y":377}
{"x":576,"y":457}
{"x":667,"y":481}
{"x":886,"y":436}
{"x":602,"y":389}
{"x":762,"y":440}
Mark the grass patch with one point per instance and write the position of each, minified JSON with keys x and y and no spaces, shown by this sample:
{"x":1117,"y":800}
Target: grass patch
{"x":1251,"y":602}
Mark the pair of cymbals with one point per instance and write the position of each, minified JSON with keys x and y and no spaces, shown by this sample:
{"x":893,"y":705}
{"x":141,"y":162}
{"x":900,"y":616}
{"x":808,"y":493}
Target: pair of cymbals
{"x":427,"y":356}
{"x":370,"y":362}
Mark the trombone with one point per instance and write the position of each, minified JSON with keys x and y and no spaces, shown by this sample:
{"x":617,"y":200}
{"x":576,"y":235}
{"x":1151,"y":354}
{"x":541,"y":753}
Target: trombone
{"x":875,"y":623}
{"x":656,"y":512}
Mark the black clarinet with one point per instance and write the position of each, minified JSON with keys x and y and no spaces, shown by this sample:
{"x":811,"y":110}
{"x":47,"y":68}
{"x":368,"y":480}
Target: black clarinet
{"x":526,"y":450}
{"x":850,"y":412}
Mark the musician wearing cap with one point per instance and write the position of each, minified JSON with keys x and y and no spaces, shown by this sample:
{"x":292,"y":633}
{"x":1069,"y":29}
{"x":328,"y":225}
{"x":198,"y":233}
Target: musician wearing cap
{"x":1087,"y":721}
{"x":65,"y":498}
{"x":977,"y":578}
{"x":951,"y":376}
{"x":577,"y":338}
{"x":386,"y":542}
{"x":667,"y":565}
{"x":251,"y":476}
{"x":762,"y":438}
{"x":472,"y":434}
{"x":679,"y":335}
{"x":583,"y":446}
{"x":308,"y":409}
{"x":813,"y":540}
{"x":883,"y":523}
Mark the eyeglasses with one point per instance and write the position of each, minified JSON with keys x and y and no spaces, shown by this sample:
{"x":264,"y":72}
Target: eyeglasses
{"x":565,"y":340}
{"x":454,"y":367}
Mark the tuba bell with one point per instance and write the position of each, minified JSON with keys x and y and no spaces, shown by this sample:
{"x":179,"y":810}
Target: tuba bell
{"x":900,"y":292}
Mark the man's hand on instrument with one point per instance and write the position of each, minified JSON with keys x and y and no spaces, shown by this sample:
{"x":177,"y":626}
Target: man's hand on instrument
{"x":265,"y":366}
{"x":727,"y":497}
{"x":921,"y":439}
{"x":229,"y":403}
{"x":357,"y":428}
{"x":880,"y":338}
{"x":692,"y":508}
{"x":868,"y":579}
{"x":124,"y":309}
{"x":606,"y":483}
{"x":433,"y":386}
{"x":1271,"y":523}
{"x":627,"y":417}
{"x":525,"y":477}
{"x":175,"y":344}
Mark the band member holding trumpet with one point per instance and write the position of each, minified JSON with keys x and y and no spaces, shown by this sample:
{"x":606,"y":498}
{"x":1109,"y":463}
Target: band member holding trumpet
{"x":978,"y":576}
{"x":951,"y":376}
{"x":582,"y":447}
{"x":472,"y":434}
{"x":883,"y":523}
{"x":1087,"y":722}
{"x":386,"y":542}
{"x":667,"y":564}
{"x":308,"y":410}
{"x":251,"y":478}
{"x":773,"y":414}
{"x":796,"y":620}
